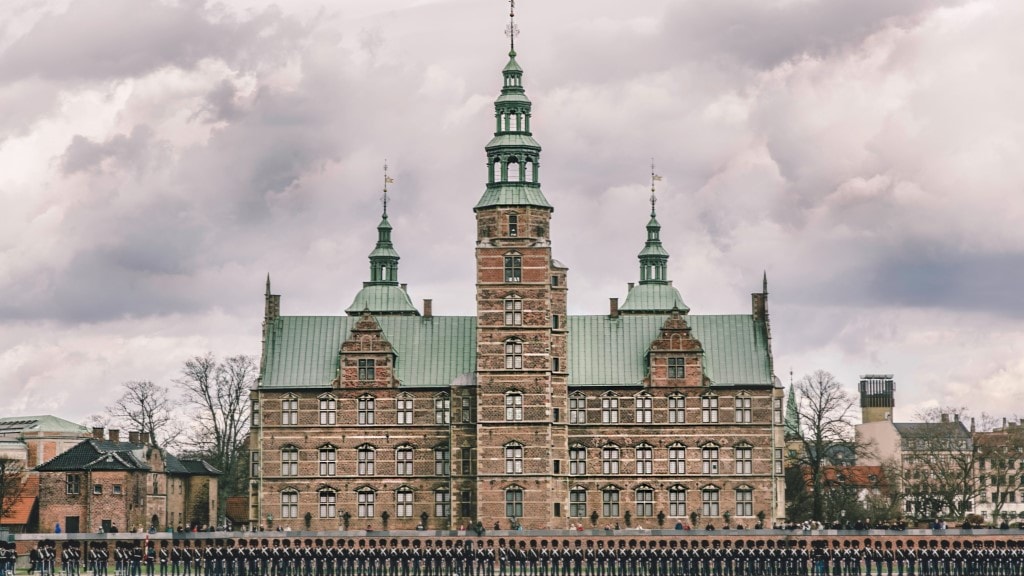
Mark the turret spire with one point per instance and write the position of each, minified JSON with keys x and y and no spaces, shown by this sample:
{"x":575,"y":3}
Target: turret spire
{"x":387,"y":180}
{"x":512,"y":30}
{"x":792,"y":423}
{"x":654,"y":196}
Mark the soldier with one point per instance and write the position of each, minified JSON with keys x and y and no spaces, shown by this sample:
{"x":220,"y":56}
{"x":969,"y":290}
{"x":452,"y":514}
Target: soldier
{"x":164,"y":556}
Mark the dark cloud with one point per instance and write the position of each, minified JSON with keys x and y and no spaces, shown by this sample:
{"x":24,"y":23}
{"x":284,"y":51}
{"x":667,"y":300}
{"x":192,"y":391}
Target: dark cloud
{"x":129,"y":151}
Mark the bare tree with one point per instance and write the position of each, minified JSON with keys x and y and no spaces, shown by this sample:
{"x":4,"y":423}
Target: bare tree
{"x":219,"y":394}
{"x":145,"y":407}
{"x":939,"y":462}
{"x":12,"y":482}
{"x":826,"y":433}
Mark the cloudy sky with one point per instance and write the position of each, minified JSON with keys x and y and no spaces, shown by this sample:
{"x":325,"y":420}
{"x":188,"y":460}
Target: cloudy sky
{"x":158,"y":159}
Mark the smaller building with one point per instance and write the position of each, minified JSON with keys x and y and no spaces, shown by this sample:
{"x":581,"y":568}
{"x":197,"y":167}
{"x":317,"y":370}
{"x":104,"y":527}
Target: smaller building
{"x":109,"y":485}
{"x":999,"y":472}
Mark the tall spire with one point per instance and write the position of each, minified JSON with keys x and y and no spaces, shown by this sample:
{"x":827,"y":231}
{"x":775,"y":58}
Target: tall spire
{"x":387,"y":180}
{"x":654,"y":257}
{"x":513,"y":156}
{"x":792,"y":423}
{"x":384,"y":258}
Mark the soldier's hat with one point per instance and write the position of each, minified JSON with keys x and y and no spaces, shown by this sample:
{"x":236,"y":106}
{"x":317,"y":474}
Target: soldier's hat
{"x":888,"y":544}
{"x":802,"y":544}
{"x":682,"y":543}
{"x":910,"y":543}
{"x":329,"y":542}
{"x":770,"y":544}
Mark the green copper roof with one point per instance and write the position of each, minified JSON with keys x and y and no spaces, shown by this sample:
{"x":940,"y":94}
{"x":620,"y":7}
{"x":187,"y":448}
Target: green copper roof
{"x":44,"y":423}
{"x":659,"y":297}
{"x":512,"y":195}
{"x":302,"y":351}
{"x":792,"y":422}
{"x":516,"y":139}
{"x":512,"y":65}
{"x":653,"y":250}
{"x":381,"y":298}
{"x":384,"y":251}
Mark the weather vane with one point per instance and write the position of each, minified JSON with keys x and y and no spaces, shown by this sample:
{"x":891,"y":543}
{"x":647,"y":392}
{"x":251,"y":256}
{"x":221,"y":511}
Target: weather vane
{"x":387,"y":180}
{"x":512,"y":30}
{"x":654,"y":178}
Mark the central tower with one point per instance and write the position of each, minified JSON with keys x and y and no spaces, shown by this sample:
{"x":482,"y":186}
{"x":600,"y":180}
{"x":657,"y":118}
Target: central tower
{"x":521,"y":327}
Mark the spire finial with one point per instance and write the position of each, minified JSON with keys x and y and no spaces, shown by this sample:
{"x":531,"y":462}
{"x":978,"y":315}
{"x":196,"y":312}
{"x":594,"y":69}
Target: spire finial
{"x":654,"y":178}
{"x":764,"y":283}
{"x":512,"y":30}
{"x":387,"y":180}
{"x":268,"y":283}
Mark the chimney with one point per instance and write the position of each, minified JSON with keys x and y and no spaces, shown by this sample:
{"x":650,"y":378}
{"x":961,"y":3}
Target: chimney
{"x":945,"y":418}
{"x":972,"y":424}
{"x":613,"y":307}
{"x":114,"y":435}
{"x":133,"y":437}
{"x":405,"y":288}
{"x":97,"y":432}
{"x":630,"y":285}
{"x":1004,"y":422}
{"x":144,"y":438}
{"x":428,"y":308}
{"x":956,"y":417}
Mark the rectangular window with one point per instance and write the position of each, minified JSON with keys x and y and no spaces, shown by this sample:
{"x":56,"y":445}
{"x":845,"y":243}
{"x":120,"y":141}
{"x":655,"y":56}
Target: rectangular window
{"x":577,"y":461}
{"x":556,"y":364}
{"x":676,"y":460}
{"x":442,"y":410}
{"x":644,"y":409}
{"x":709,"y":409}
{"x":366,"y":461}
{"x":743,"y":412}
{"x":645,"y":502}
{"x":676,"y":368}
{"x":557,"y":510}
{"x":364,"y":504}
{"x":744,"y":459}
{"x":289,"y":462}
{"x":609,"y":409}
{"x":403,"y":504}
{"x":255,"y":412}
{"x":676,"y":409}
{"x":513,"y":312}
{"x":466,"y":503}
{"x":555,"y":321}
{"x":289,"y":505}
{"x":557,"y":464}
{"x":467,"y":461}
{"x":556,"y":415}
{"x":328,"y":504}
{"x":513,"y":225}
{"x":442,"y":461}
{"x":777,"y":410}
{"x":778,"y":461}
{"x":709,"y":502}
{"x":610,"y":460}
{"x":328,"y":411}
{"x":677,"y":503}
{"x":610,"y":502}
{"x":365,"y":407}
{"x":744,"y":503}
{"x":97,"y":489}
{"x":367,"y":370}
{"x":709,"y":460}
{"x":514,"y":503}
{"x":578,"y":503}
{"x":467,"y":410}
{"x":442,"y":503}
{"x":513,"y":355}
{"x":254,"y":464}
{"x":644,"y":460}
{"x":403,"y":408}
{"x":513,"y":407}
{"x":577,"y":410}
{"x":328,"y":461}
{"x":403,"y":462}
{"x":290,"y":411}
{"x":554,"y":280}
{"x":514,"y":459}
{"x":513,"y":268}
{"x":116,"y":489}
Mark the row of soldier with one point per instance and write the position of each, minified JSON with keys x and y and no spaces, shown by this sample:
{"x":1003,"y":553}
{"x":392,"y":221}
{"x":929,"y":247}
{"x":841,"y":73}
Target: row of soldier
{"x":533,"y":557}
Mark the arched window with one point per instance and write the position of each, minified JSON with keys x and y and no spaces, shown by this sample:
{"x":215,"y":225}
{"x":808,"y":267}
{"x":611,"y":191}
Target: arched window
{"x":744,"y":459}
{"x":513,"y":311}
{"x":403,"y":502}
{"x":676,"y":409}
{"x":289,"y":461}
{"x":610,"y":459}
{"x":530,"y":177}
{"x":577,"y":460}
{"x":289,"y":410}
{"x":328,"y":410}
{"x":744,"y":501}
{"x":644,"y":501}
{"x":513,"y":406}
{"x":610,"y":501}
{"x":644,"y":408}
{"x":644,"y":459}
{"x":442,"y":409}
{"x":514,"y":502}
{"x":709,"y":501}
{"x":366,"y":458}
{"x":289,"y":504}
{"x":365,"y":499}
{"x":577,"y":408}
{"x":328,"y":460}
{"x":676,"y":459}
{"x":403,"y":460}
{"x":609,"y":408}
{"x":328,"y":503}
{"x":513,"y":267}
{"x":709,"y":459}
{"x":514,"y":458}
{"x":677,"y":501}
{"x":578,"y":502}
{"x":512,"y":170}
{"x":442,"y":503}
{"x":404,"y":408}
{"x":514,"y":354}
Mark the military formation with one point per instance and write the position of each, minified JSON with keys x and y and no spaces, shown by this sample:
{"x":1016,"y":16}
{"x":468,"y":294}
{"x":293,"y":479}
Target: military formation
{"x":526,"y":557}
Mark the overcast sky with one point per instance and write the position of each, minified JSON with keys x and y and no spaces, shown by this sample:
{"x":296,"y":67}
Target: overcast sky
{"x":158,"y":159}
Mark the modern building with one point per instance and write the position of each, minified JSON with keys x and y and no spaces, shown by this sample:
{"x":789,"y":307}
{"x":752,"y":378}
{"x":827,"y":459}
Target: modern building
{"x":393,"y":417}
{"x":106,"y":485}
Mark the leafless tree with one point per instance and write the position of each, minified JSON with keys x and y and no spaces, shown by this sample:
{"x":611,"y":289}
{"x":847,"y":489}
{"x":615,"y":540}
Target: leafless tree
{"x":218,"y":391}
{"x":827,"y":436}
{"x":12,"y":482}
{"x":939,"y":463}
{"x":144,"y":407}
